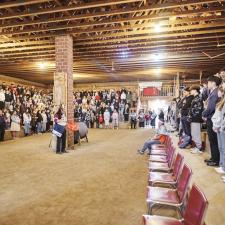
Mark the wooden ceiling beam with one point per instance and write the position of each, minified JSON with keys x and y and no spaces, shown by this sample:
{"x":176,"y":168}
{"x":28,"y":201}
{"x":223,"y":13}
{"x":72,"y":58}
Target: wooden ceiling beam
{"x":117,"y":28}
{"x":71,"y":7}
{"x":110,"y":13}
{"x":153,"y":49}
{"x":102,"y":22}
{"x":11,"y":4}
{"x":154,"y":36}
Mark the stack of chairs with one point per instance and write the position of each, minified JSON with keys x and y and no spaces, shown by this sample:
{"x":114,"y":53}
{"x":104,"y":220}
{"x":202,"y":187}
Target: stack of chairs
{"x":169,"y":181}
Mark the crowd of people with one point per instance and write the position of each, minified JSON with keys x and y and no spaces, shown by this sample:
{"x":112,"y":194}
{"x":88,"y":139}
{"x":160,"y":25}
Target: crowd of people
{"x":24,"y":106}
{"x":33,"y":109}
{"x":99,"y":109}
{"x":201,"y":107}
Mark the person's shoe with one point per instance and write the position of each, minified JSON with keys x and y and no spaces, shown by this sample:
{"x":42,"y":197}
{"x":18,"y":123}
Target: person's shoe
{"x":212,"y":164}
{"x":196,"y":151}
{"x":65,"y":152}
{"x":58,"y":152}
{"x":220,"y":170}
{"x":140,"y":152}
{"x":188,"y":146}
{"x":207,"y":160}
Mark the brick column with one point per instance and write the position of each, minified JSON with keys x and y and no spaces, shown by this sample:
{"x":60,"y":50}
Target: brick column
{"x":63,"y":78}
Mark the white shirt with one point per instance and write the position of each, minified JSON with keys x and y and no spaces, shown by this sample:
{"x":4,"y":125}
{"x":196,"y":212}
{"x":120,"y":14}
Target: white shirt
{"x":44,"y":116}
{"x":2,"y":96}
{"x":26,"y":118}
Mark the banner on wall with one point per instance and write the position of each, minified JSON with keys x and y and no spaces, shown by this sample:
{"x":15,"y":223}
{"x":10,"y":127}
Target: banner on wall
{"x":154,"y":84}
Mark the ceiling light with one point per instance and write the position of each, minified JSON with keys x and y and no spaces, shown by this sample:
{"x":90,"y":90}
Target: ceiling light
{"x":157,"y":57}
{"x":157,"y":28}
{"x":124,"y":54}
{"x":42,"y":65}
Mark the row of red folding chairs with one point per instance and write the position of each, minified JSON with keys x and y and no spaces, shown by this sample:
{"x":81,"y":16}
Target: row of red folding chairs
{"x":169,"y":182}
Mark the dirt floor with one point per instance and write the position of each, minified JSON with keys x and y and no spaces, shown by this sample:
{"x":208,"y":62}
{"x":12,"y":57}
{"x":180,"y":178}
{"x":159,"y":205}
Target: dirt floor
{"x":102,"y":182}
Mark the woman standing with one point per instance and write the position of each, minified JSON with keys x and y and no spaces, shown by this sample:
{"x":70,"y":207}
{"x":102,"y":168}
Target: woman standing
{"x":115,"y":120}
{"x":26,"y":122}
{"x":15,"y":124}
{"x":61,"y":120}
{"x":106,"y":118}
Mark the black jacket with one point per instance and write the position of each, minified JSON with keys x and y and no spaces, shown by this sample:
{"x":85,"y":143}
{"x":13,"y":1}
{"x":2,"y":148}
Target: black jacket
{"x":186,"y":105}
{"x":196,"y":109}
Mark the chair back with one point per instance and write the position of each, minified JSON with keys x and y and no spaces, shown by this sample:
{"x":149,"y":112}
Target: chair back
{"x":170,"y":155}
{"x":168,"y":141}
{"x":177,"y":165}
{"x":196,"y":208}
{"x":183,"y":182}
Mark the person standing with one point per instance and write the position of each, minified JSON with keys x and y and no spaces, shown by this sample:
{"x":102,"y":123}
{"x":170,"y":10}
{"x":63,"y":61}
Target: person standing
{"x":195,"y":117}
{"x":2,"y":99}
{"x":126,"y":113}
{"x":186,"y":126}
{"x":161,"y":117}
{"x":39,"y":122}
{"x":15,"y":124}
{"x":26,"y":122}
{"x":115,"y":120}
{"x":44,"y":121}
{"x":133,"y":119}
{"x":141,"y":118}
{"x":153,"y":118}
{"x":106,"y":118}
{"x":2,"y":126}
{"x":213,"y":99}
{"x":60,"y":119}
{"x":218,"y":120}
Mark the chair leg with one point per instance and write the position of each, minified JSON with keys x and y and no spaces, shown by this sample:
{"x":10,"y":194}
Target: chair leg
{"x":150,"y":206}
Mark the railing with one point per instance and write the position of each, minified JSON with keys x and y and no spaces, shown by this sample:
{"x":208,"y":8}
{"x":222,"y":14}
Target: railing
{"x":164,"y":91}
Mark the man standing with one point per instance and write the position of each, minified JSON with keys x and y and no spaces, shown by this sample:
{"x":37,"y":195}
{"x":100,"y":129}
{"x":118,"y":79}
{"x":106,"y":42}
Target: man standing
{"x":195,"y":117}
{"x":186,"y":105}
{"x":213,"y":83}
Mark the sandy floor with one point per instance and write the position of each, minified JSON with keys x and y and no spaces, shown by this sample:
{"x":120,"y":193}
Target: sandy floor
{"x":101,"y":183}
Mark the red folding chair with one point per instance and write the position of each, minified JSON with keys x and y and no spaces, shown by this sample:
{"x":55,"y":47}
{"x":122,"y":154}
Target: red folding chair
{"x":167,"y":196}
{"x":170,"y":179}
{"x":162,"y":158}
{"x":163,"y":166}
{"x":194,"y":213}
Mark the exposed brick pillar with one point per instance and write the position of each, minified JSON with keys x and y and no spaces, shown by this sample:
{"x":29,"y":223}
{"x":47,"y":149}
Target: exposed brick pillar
{"x":63,"y":78}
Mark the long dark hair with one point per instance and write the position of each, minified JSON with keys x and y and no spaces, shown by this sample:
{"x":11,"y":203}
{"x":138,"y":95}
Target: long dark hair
{"x":59,"y":113}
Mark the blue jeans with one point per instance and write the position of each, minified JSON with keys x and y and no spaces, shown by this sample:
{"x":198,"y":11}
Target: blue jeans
{"x":148,"y":145}
{"x":26,"y":128}
{"x":186,"y":125}
{"x":221,"y":144}
{"x":39,"y":127}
